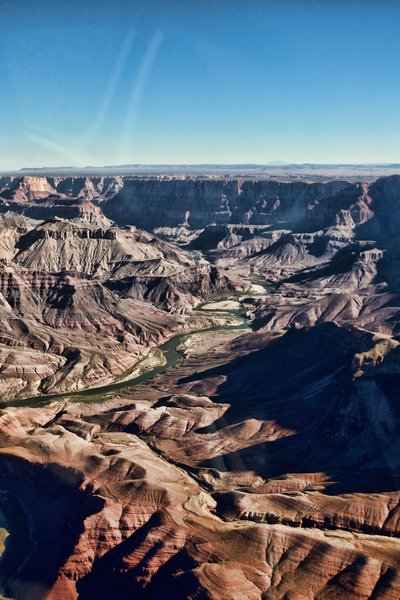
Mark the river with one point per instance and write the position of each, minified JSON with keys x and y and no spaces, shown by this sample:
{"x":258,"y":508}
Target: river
{"x":170,"y":350}
{"x":12,"y":519}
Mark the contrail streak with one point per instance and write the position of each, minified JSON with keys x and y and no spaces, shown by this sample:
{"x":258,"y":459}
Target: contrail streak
{"x":137,"y":92}
{"x":112,"y":85}
{"x":65,"y":152}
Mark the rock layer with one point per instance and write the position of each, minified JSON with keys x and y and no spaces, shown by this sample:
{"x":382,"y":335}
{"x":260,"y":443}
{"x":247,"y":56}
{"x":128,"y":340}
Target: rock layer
{"x":263,"y":466}
{"x":80,"y":304}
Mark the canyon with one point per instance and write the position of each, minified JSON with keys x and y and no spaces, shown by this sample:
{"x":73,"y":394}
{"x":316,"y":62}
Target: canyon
{"x":258,"y":458}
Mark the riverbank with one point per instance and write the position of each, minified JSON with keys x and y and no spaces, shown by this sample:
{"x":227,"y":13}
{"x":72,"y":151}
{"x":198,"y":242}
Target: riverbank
{"x":166,"y":355}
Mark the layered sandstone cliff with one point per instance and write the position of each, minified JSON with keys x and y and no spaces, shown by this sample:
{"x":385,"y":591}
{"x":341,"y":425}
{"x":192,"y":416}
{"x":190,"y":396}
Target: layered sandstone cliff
{"x":265,"y":465}
{"x":80,"y":304}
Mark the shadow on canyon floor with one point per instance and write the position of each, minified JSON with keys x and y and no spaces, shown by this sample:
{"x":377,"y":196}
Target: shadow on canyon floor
{"x":108,"y":578}
{"x":51,"y":508}
{"x":303,"y":384}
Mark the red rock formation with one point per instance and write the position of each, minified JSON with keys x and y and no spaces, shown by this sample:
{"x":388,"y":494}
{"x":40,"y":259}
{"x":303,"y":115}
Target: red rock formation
{"x":122,"y":499}
{"x":266,"y":467}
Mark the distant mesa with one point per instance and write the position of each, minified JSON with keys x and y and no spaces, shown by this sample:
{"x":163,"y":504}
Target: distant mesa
{"x":70,"y":168}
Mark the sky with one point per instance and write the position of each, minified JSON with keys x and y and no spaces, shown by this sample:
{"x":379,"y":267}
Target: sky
{"x":223,"y":81}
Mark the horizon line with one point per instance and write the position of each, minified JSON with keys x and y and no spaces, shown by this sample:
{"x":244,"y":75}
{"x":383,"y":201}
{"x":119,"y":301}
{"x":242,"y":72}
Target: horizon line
{"x":272,"y":164}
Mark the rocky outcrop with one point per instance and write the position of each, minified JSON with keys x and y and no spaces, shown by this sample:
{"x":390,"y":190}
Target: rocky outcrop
{"x":81,"y":304}
{"x":117,"y":520}
{"x":168,"y":202}
{"x":263,"y":465}
{"x":176,"y":291}
{"x":200,"y":493}
{"x":61,"y":332}
{"x":160,"y":202}
{"x":45,"y":197}
{"x":59,"y":245}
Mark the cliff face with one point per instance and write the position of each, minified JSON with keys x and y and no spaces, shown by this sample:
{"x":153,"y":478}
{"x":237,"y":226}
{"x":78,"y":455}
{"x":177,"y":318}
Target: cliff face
{"x":169,"y":202}
{"x":46,"y":197}
{"x":154,"y":203}
{"x":266,"y":464}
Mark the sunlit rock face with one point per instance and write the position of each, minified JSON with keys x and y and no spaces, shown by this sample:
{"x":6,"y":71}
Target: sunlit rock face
{"x":81,"y":304}
{"x":265,"y":464}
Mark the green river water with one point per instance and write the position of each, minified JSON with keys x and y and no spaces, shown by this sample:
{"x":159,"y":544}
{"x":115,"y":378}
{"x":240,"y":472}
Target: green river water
{"x":12,"y":517}
{"x":170,"y":350}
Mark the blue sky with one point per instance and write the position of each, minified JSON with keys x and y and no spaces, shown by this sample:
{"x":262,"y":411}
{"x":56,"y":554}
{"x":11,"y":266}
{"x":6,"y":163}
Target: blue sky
{"x":190,"y":82}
